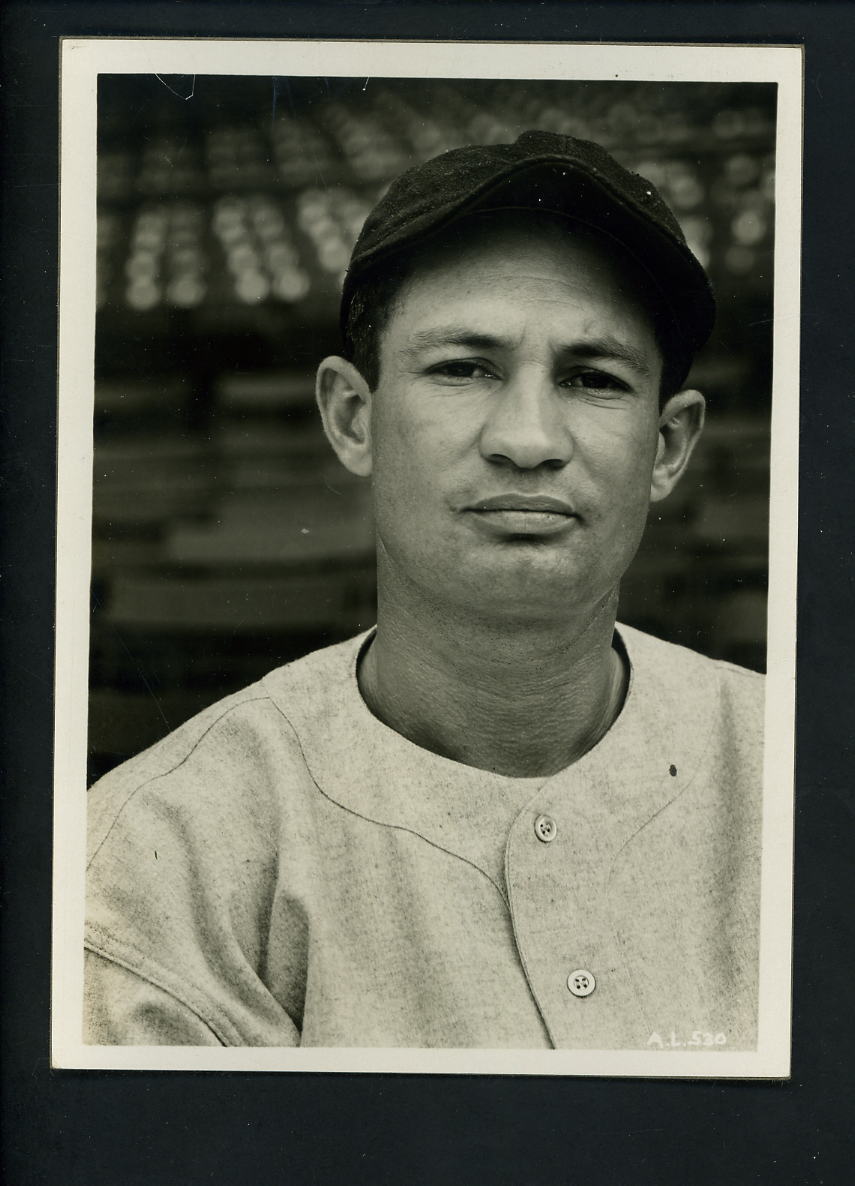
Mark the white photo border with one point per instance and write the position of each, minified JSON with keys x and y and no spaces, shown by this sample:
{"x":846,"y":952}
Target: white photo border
{"x":82,"y":60}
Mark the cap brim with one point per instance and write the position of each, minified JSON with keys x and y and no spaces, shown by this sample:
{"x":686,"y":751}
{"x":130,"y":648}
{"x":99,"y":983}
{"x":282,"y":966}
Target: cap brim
{"x":555,"y":185}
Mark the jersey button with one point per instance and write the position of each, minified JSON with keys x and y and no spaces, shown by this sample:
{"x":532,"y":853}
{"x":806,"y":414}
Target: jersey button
{"x":581,"y":982}
{"x":545,"y":828}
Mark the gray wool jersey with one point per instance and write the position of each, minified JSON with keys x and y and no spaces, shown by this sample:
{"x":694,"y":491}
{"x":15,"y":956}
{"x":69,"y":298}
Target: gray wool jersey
{"x":286,"y":870}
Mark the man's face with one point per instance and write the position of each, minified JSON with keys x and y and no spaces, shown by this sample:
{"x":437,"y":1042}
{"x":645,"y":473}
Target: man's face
{"x":515,"y":423}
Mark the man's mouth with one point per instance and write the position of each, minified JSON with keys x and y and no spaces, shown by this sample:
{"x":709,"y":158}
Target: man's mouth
{"x":523,"y":514}
{"x":523,"y":502}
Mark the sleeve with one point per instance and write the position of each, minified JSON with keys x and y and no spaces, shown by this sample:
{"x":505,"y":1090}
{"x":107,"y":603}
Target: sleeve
{"x":182,"y":886}
{"x":123,"y":1009}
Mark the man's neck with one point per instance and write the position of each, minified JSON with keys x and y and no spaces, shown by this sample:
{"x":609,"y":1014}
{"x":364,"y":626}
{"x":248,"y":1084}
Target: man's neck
{"x":519,"y":699}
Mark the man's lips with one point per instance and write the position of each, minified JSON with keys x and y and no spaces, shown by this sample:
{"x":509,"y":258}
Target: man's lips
{"x":523,"y":502}
{"x":522,"y":514}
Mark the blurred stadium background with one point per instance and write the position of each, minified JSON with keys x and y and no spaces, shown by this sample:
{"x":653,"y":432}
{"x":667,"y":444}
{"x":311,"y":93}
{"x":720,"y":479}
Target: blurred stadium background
{"x":226,"y":538}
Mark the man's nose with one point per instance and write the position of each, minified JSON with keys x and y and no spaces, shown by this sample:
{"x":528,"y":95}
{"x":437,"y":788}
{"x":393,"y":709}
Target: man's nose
{"x":526,"y":425}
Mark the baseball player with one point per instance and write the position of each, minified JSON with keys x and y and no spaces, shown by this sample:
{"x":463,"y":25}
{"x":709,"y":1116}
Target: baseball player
{"x":499,"y":818}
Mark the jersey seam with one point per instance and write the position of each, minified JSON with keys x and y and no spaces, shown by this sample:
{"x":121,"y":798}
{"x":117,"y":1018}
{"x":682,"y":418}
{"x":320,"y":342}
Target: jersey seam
{"x":520,"y":952}
{"x":121,"y":952}
{"x":166,"y":773}
{"x":384,"y":824}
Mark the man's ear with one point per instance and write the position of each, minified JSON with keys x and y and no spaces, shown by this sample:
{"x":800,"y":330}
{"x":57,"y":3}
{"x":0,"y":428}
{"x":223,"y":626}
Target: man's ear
{"x":680,"y":425}
{"x":345,"y":403}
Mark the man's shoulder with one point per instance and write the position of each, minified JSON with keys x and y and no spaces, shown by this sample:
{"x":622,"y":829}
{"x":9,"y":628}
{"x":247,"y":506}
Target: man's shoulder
{"x":672,"y":660}
{"x":692,"y":685}
{"x":231,"y":750}
{"x":706,"y":716}
{"x":316,"y":676}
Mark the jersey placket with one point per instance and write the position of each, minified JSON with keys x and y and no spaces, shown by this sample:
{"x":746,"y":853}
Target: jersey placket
{"x":558,"y":876}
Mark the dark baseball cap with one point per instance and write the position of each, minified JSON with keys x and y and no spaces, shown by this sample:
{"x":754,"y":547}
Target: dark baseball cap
{"x":545,"y":172}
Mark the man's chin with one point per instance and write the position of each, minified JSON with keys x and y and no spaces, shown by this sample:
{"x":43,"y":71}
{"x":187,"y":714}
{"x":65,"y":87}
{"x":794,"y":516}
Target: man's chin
{"x":531,"y":595}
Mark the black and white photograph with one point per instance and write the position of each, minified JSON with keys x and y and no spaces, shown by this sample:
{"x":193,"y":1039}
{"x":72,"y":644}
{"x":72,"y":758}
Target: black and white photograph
{"x":426,"y":557}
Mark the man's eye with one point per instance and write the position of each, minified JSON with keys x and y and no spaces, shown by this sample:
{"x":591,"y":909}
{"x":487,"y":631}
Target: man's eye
{"x":462,"y":369}
{"x":595,"y":381}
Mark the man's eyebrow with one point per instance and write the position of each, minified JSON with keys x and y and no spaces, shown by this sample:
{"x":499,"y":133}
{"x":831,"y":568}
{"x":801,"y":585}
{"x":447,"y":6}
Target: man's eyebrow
{"x":453,"y":335}
{"x":600,"y":349}
{"x":609,"y":348}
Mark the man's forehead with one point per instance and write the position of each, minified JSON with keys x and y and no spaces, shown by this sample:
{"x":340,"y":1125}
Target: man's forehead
{"x":497,"y":239}
{"x":539,"y":260}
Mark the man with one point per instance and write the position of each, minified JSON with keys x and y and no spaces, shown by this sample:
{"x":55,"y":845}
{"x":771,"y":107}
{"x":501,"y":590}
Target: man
{"x":498,"y":820}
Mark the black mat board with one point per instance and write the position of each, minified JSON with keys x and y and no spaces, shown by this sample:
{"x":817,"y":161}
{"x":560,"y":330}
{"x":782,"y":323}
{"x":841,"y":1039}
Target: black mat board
{"x":102,"y":1129}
